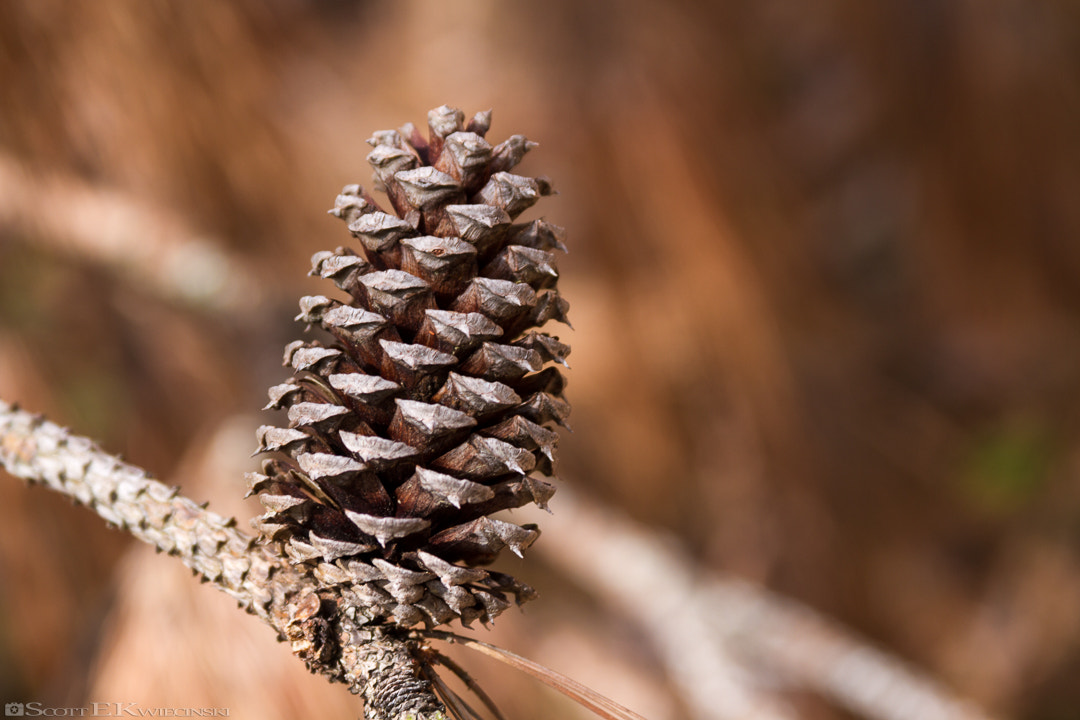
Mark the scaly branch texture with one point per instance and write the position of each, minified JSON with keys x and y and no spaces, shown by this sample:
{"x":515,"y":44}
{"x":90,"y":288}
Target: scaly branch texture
{"x":42,"y":452}
{"x":381,"y":668}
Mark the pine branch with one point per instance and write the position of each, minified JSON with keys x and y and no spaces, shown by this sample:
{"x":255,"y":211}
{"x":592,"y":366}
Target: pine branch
{"x":373,"y":663}
{"x":144,"y":245}
{"x":42,"y":452}
{"x":726,"y":641}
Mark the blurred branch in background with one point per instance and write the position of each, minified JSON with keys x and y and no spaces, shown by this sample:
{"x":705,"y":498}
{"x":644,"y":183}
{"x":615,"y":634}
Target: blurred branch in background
{"x":732,"y":647}
{"x":149,"y":248}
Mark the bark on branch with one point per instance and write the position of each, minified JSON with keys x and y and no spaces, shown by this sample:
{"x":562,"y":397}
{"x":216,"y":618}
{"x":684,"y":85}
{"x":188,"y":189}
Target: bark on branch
{"x":727,"y":642}
{"x":371,"y":661}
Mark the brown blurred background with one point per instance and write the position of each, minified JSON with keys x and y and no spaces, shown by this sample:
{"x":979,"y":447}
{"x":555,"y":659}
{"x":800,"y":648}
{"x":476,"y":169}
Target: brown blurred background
{"x":824,"y":278}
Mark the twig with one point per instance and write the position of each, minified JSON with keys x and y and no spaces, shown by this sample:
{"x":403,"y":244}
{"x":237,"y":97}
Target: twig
{"x":143,"y":244}
{"x":721,"y":636}
{"x":584,"y":696}
{"x":373,"y":663}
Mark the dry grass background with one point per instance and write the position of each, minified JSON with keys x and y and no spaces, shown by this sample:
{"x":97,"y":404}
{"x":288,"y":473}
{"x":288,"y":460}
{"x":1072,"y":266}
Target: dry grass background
{"x":824,"y":275}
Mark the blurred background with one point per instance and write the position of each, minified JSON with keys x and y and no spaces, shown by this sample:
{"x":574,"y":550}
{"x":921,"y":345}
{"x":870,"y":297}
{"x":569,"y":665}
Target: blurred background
{"x":824,"y":278}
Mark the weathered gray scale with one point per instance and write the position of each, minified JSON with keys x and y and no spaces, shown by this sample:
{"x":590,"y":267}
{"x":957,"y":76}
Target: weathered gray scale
{"x":370,"y":597}
{"x":524,"y":265}
{"x":468,"y":148}
{"x":274,"y":439}
{"x":271,"y":529}
{"x":505,"y":583}
{"x":281,"y":395}
{"x":482,"y":458}
{"x":411,"y":135}
{"x":342,"y":267}
{"x":376,"y":452}
{"x":348,"y":192}
{"x":329,"y":574}
{"x":358,"y":329}
{"x":445,"y":120}
{"x":368,"y":389}
{"x":406,"y":615}
{"x":550,"y":306}
{"x":544,"y":408}
{"x":539,"y":234}
{"x":445,"y":263}
{"x":456,"y":597}
{"x":379,"y":231}
{"x":361,"y":572}
{"x":473,"y":542}
{"x":436,"y":609}
{"x":493,"y":604}
{"x":442,"y":122}
{"x":526,"y":434}
{"x":549,"y":348}
{"x":416,"y":358}
{"x":425,"y":187}
{"x":457,"y":491}
{"x":476,"y":396}
{"x":385,"y":529}
{"x":312,"y":308}
{"x":300,"y":551}
{"x":398,"y":283}
{"x":513,"y":193}
{"x":449,"y":573}
{"x":400,"y":575}
{"x":278,"y":504}
{"x":420,"y":424}
{"x":399,"y":296}
{"x":540,"y":491}
{"x":501,"y":300}
{"x":327,"y":467}
{"x":519,"y":492}
{"x":440,"y":247}
{"x":481,"y":225}
{"x":504,"y":363}
{"x":455,"y":332}
{"x":257,"y":483}
{"x":509,"y":153}
{"x":331,"y":549}
{"x":329,"y":264}
{"x":386,"y":161}
{"x":480,"y":123}
{"x":516,"y":537}
{"x":464,"y":157}
{"x":350,"y":204}
{"x":324,"y":417}
{"x":302,"y":356}
{"x":389,"y":138}
{"x":352,"y":318}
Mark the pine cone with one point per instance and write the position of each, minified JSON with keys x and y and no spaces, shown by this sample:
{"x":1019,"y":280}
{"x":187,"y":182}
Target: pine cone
{"x":426,"y":410}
